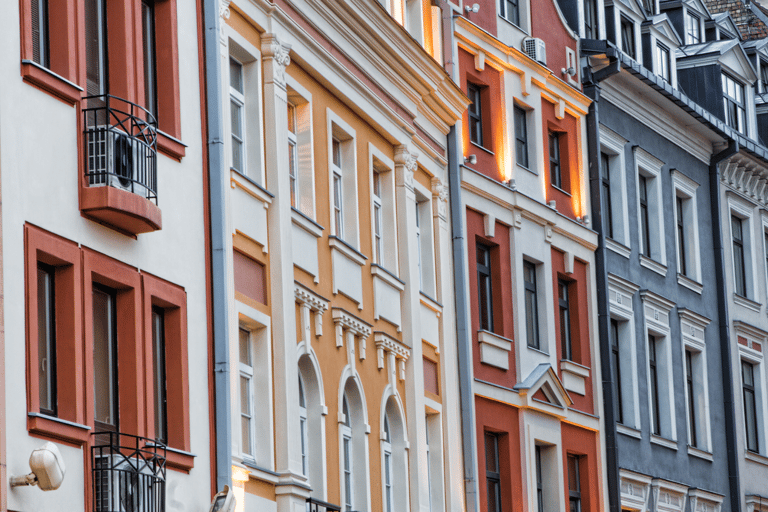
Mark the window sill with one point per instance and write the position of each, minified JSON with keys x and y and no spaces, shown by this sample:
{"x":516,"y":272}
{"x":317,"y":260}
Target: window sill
{"x":663,"y":441}
{"x":628,"y":431}
{"x":259,"y":472}
{"x":387,"y":276}
{"x":484,"y":149}
{"x":170,"y":146}
{"x":537,"y":350}
{"x":747,"y":303}
{"x":56,"y":428}
{"x":696,"y":452}
{"x":756,"y":457}
{"x":617,"y":247}
{"x":521,"y":166}
{"x":347,"y":250}
{"x":494,"y":349}
{"x":305,"y":223}
{"x":518,"y":27}
{"x":689,"y":283}
{"x":48,"y":81}
{"x":560,"y":190}
{"x":653,"y":265}
{"x":178,"y":459}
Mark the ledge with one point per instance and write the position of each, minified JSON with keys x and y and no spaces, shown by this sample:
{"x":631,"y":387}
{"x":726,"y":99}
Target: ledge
{"x":347,"y":250}
{"x":654,"y":265}
{"x":305,"y":223}
{"x":178,"y":459}
{"x":170,"y":146}
{"x":125,"y":211}
{"x":696,"y":452}
{"x":663,"y":441}
{"x":56,"y":428}
{"x":251,"y":186}
{"x":747,"y":303}
{"x":387,"y":276}
{"x":628,"y":431}
{"x":756,"y":457}
{"x":617,"y":247}
{"x":575,"y":368}
{"x":48,"y":81}
{"x":689,"y":283}
{"x":494,"y":349}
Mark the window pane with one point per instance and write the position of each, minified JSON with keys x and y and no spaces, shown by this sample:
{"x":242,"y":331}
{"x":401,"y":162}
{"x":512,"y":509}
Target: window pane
{"x":158,"y":362}
{"x":148,"y":32}
{"x":104,"y":360}
{"x":236,"y":75}
{"x":46,"y":339}
{"x":245,"y":349}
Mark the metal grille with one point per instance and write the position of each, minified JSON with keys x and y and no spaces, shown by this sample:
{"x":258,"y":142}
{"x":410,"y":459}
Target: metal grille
{"x":120,"y":146}
{"x":128,"y":473}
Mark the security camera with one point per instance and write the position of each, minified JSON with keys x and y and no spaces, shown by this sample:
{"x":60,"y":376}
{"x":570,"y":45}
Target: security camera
{"x":223,"y":502}
{"x":471,"y":159}
{"x":474,"y":8}
{"x":571,"y":71}
{"x":47,"y":466}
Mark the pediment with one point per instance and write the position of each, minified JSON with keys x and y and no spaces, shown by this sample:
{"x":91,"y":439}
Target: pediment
{"x":634,"y":6}
{"x":725,"y":22}
{"x":543,"y":390}
{"x":663,"y":28}
{"x":699,"y":7}
{"x":736,"y":61}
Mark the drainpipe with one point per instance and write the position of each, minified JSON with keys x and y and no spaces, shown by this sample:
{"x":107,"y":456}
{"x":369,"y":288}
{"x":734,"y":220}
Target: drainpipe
{"x":216,"y":180}
{"x":722,"y":317}
{"x":592,"y":90}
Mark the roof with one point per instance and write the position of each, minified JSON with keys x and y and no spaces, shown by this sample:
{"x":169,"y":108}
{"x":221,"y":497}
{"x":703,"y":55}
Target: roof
{"x":710,"y":47}
{"x":749,"y":24}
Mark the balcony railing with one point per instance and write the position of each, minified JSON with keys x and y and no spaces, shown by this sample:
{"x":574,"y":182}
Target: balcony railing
{"x":120,"y":140}
{"x":128,"y":473}
{"x":315,"y":505}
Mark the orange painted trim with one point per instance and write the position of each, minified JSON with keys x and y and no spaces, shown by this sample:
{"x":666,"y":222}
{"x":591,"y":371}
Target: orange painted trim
{"x":123,"y":210}
{"x":51,"y":83}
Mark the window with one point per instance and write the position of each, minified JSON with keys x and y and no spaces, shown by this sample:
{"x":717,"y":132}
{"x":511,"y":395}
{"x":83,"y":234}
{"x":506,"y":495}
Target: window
{"x":733,"y":103}
{"x":383,"y":210}
{"x":739,"y":266}
{"x":159,"y":374}
{"x":423,"y":234}
{"x":148,"y":47}
{"x":764,"y":75}
{"x":303,"y":428}
{"x":606,"y":192}
{"x":539,"y":481}
{"x":521,"y":137}
{"x":649,"y":6}
{"x":574,"y":483}
{"x":388,"y":477}
{"x":346,"y":433}
{"x":484,"y":287}
{"x":237,"y":113}
{"x":492,"y":476}
{"x":475,"y":114}
{"x":765,"y":234}
{"x":510,"y":10}
{"x":377,"y":219}
{"x":429,"y":468}
{"x":616,"y":371}
{"x":686,"y":230}
{"x":681,"y":257}
{"x":565,"y":319}
{"x":555,"y":170}
{"x":645,"y":227}
{"x":95,"y":48}
{"x":692,"y":28}
{"x":342,"y":166}
{"x":338,"y":191}
{"x":105,"y":380}
{"x":40,"y":34}
{"x":531,"y":305}
{"x":293,"y":157}
{"x":653,"y":386}
{"x":691,"y":399}
{"x":651,"y":212}
{"x":246,"y":394}
{"x":628,"y":37}
{"x":417,"y":233}
{"x":750,"y":406}
{"x":46,"y":338}
{"x":663,"y":62}
{"x":590,"y":20}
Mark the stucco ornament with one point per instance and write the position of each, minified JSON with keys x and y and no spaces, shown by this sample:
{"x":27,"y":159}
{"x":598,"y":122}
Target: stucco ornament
{"x":440,"y":191}
{"x":278,"y":54}
{"x":406,"y":164}
{"x":224,"y":8}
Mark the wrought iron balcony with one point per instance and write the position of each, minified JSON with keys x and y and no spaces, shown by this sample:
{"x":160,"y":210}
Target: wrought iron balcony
{"x":128,"y":473}
{"x":315,"y":505}
{"x":120,"y":140}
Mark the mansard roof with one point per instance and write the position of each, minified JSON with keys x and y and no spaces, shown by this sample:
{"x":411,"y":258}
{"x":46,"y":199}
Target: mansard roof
{"x":729,"y":53}
{"x":743,"y":17}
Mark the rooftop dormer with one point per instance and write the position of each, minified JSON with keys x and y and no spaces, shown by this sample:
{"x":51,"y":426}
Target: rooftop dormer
{"x":660,"y":43}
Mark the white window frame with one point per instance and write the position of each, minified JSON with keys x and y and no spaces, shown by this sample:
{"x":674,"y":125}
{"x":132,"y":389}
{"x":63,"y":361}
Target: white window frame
{"x":693,"y":335}
{"x":690,"y":14}
{"x":424,"y":239}
{"x":621,"y":307}
{"x":246,"y":372}
{"x":342,"y":132}
{"x":685,"y":188}
{"x":347,"y":463}
{"x":727,"y":77}
{"x":649,"y":166}
{"x":303,"y":421}
{"x":237,"y":100}
{"x":293,"y":160}
{"x":434,"y":460}
{"x":612,"y":144}
{"x":301,"y":99}
{"x":387,"y":480}
{"x":754,"y":357}
{"x":744,"y":211}
{"x":381,"y":165}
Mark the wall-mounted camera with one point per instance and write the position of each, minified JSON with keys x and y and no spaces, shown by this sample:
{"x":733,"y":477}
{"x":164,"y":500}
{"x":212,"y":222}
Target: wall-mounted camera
{"x":47,"y":467}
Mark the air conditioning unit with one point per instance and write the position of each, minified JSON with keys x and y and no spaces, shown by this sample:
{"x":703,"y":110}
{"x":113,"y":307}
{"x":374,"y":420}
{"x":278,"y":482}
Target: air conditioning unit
{"x":116,"y":160}
{"x":535,"y":49}
{"x":126,"y":484}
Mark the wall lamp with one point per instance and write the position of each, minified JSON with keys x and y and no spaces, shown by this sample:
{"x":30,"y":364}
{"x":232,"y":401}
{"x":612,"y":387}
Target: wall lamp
{"x":470,"y":159}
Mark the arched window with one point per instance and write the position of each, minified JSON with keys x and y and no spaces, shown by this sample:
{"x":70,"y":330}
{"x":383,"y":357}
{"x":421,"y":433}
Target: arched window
{"x":312,"y":425}
{"x":394,"y":458}
{"x":387,"y":448}
{"x":346,"y":435}
{"x":353,"y":448}
{"x":303,"y":426}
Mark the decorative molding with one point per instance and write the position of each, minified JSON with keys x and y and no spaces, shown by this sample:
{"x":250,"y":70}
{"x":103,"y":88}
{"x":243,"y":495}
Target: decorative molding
{"x":310,"y":303}
{"x":440,"y":194}
{"x":354,"y":327}
{"x":277,"y":57}
{"x":669,"y":496}
{"x":617,"y":247}
{"x":634,"y":490}
{"x":405,"y":165}
{"x":395,"y":351}
{"x":224,"y":8}
{"x":653,"y":265}
{"x":746,"y":177}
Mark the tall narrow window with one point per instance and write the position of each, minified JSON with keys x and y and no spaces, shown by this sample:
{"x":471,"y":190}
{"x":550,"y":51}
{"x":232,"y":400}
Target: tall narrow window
{"x":418,"y":246}
{"x":681,"y":236}
{"x":293,"y":158}
{"x":158,"y":373}
{"x":739,"y":267}
{"x":734,"y":105}
{"x":303,"y":428}
{"x":389,"y":497}
{"x":653,"y":386}
{"x":105,"y":360}
{"x":645,"y":225}
{"x":377,"y":219}
{"x":46,"y":338}
{"x":663,"y":62}
{"x":237,"y":112}
{"x":606,"y":191}
{"x":574,"y":483}
{"x":346,"y":435}
{"x":555,"y":170}
{"x":246,"y":393}
{"x":565,"y":320}
{"x":691,"y":398}
{"x":338,"y":194}
{"x":484,"y":284}
{"x":40,"y":34}
{"x":692,"y":28}
{"x":616,"y":368}
{"x":429,"y":468}
{"x":521,"y":137}
{"x":628,"y":37}
{"x":492,"y":473}
{"x":766,"y":251}
{"x":539,"y":481}
{"x":475,"y":114}
{"x":531,"y":305}
{"x":590,"y":19}
{"x":95,"y":48}
{"x":150,"y":59}
{"x":750,"y":406}
{"x":764,"y":74}
{"x":510,"y":10}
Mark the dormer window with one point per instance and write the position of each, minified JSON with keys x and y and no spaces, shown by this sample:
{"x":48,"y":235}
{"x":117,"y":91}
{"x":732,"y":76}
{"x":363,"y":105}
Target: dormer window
{"x":733,"y":103}
{"x":663,"y":66}
{"x":628,"y":37}
{"x":590,"y":20}
{"x":650,"y":7}
{"x":692,"y":28}
{"x":764,"y":75}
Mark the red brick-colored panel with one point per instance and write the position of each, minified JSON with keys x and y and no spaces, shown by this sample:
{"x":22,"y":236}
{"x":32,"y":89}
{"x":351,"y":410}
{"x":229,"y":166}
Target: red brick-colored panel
{"x":504,"y":421}
{"x":431,"y":377}
{"x":583,"y":443}
{"x":250,"y":279}
{"x":569,"y":197}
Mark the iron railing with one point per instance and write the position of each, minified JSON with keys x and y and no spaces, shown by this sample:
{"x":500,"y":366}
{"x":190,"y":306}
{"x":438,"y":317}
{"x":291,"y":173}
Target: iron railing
{"x":120,"y":140}
{"x":128,"y":473}
{"x":315,"y":505}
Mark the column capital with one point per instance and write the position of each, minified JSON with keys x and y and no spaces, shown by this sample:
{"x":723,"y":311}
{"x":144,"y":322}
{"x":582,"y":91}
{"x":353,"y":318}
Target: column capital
{"x":405,"y":165}
{"x":224,"y":8}
{"x":276,"y":58}
{"x":440,"y":194}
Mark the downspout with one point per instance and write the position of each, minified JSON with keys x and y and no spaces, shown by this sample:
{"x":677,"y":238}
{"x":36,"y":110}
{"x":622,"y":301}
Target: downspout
{"x":722,"y":316}
{"x":216,"y":180}
{"x":592,"y":90}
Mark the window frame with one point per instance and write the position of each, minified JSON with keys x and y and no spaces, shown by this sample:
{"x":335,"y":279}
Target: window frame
{"x":533,"y":335}
{"x":754,"y":425}
{"x":48,"y":308}
{"x":692,"y":20}
{"x":475,"y":113}
{"x":732,"y":105}
{"x":383,"y":166}
{"x":343,"y":180}
{"x":521,"y":137}
{"x":574,"y":487}
{"x":653,"y":385}
{"x":555,"y":160}
{"x":591,"y":21}
{"x":293,"y":158}
{"x":493,"y":474}
{"x":651,"y":234}
{"x":246,"y":375}
{"x":564,"y":309}
{"x":663,"y":62}
{"x":612,"y":145}
{"x":605,"y":190}
{"x":627,"y":28}
{"x":614,"y":338}
{"x":485,"y":274}
{"x":504,"y":11}
{"x":696,"y":389}
{"x":237,"y":103}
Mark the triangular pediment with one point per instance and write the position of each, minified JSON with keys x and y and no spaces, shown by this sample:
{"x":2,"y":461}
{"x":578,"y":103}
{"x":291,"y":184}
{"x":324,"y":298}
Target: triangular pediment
{"x":725,"y":22}
{"x":736,"y":61}
{"x":698,"y":7}
{"x":543,"y":390}
{"x":661,"y":25}
{"x":632,"y":5}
